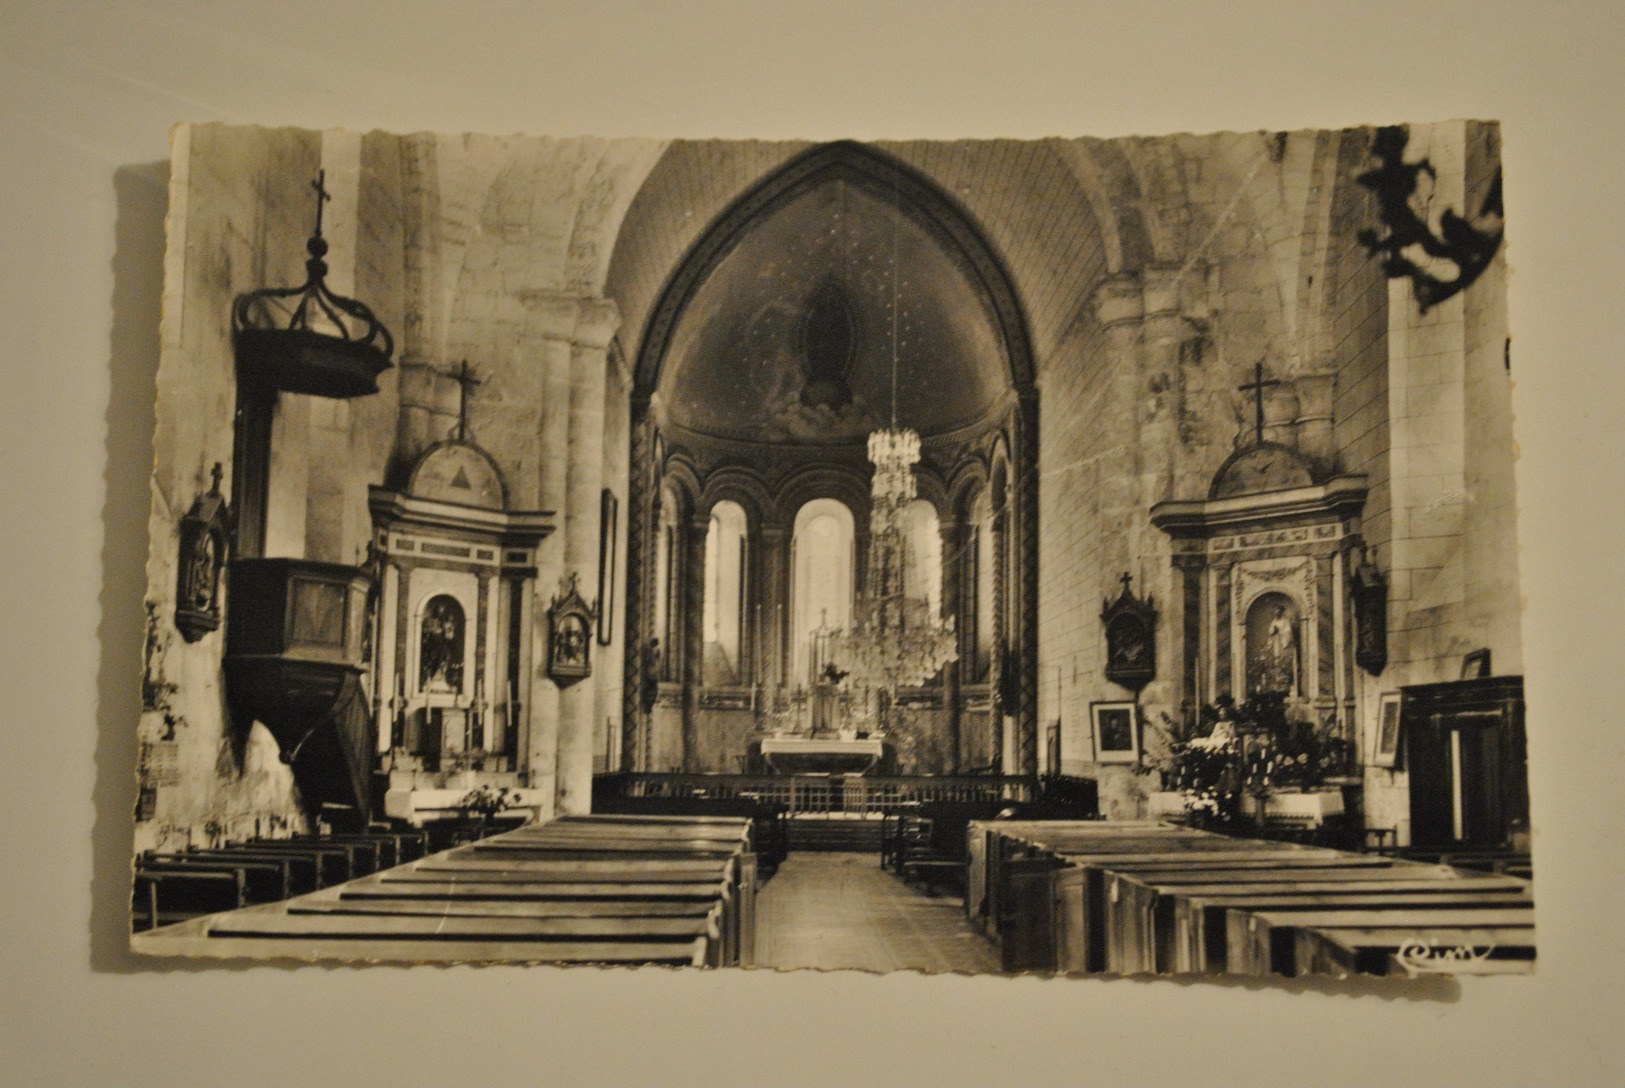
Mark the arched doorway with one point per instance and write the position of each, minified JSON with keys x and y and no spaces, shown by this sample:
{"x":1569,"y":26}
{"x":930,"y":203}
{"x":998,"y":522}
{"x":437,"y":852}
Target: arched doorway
{"x":843,"y":292}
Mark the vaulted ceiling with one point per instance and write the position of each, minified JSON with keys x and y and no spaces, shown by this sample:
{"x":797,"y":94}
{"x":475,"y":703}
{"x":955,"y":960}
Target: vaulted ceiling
{"x":791,"y":337}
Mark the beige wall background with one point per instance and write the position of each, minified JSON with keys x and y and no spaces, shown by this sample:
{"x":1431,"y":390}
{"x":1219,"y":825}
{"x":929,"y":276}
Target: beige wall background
{"x":87,"y":95}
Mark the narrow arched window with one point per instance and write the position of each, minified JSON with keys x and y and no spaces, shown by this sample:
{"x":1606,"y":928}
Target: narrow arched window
{"x":923,"y":575}
{"x":822,"y":587}
{"x":725,"y":607}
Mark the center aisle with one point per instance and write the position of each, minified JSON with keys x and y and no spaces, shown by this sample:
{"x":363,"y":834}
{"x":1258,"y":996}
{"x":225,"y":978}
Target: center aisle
{"x":842,"y":911}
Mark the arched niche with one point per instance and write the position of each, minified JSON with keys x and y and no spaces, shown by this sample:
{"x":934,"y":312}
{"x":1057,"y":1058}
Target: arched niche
{"x":823,"y":575}
{"x":727,"y":605}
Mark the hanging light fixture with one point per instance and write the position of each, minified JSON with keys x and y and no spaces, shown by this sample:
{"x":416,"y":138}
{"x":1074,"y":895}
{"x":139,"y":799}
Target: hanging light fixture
{"x":896,"y":640}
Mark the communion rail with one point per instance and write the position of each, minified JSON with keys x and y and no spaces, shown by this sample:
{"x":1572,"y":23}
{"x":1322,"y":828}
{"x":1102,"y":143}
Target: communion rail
{"x":820,"y":794}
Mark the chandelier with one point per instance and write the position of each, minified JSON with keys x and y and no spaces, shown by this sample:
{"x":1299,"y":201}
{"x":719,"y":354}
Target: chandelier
{"x":896,"y":641}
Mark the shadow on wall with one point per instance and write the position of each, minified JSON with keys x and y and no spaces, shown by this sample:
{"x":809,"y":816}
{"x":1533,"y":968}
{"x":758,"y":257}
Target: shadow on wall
{"x":142,"y":194}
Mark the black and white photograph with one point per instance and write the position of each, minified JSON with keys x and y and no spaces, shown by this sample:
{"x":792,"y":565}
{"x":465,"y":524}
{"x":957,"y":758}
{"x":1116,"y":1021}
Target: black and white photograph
{"x":774,"y":543}
{"x":885,"y":420}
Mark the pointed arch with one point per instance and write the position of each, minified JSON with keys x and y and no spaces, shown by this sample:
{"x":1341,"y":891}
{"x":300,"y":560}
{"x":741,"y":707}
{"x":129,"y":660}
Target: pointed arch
{"x":880,"y":175}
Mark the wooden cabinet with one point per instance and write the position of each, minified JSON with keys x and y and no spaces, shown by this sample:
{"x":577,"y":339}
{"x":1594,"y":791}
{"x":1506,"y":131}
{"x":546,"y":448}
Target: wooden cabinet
{"x":1465,"y":751}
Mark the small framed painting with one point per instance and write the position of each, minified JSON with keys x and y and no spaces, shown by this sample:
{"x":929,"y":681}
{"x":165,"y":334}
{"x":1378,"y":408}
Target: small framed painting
{"x":1387,"y":750}
{"x":1117,"y":732}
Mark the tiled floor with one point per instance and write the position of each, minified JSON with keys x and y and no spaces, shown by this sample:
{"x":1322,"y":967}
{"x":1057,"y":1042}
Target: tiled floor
{"x":835,"y":911}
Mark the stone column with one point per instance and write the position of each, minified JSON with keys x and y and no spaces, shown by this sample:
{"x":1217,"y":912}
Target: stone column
{"x":550,"y":326}
{"x":597,"y":320}
{"x":774,"y":580}
{"x":1025,"y":555}
{"x":1119,"y":304}
{"x":1163,"y":330}
{"x":953,"y":588}
{"x":692,"y":595}
{"x":638,"y":590}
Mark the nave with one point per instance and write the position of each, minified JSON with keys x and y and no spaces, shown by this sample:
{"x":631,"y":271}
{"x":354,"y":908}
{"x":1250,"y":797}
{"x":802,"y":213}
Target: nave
{"x":1053,"y":896}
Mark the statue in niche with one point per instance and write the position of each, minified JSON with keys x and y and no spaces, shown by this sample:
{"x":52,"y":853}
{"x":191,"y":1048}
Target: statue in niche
{"x":440,"y":661}
{"x":1272,"y":645}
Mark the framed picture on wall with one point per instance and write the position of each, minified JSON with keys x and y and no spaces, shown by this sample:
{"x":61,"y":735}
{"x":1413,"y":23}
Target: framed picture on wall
{"x":609,"y":509}
{"x":1387,"y":750}
{"x":1117,"y":732}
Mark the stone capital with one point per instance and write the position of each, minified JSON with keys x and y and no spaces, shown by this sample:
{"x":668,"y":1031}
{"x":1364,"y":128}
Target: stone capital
{"x":1119,"y":299}
{"x":597,"y":321}
{"x":1161,"y":283}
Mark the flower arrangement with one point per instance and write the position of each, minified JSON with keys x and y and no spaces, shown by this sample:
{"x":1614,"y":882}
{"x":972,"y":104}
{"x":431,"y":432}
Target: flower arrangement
{"x":484,"y":802}
{"x":1229,"y":752}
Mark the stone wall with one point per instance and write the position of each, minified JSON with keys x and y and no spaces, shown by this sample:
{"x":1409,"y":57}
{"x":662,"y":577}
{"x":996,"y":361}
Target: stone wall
{"x":1451,"y":546}
{"x":240,"y":212}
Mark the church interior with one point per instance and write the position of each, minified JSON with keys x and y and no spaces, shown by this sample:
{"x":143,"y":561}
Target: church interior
{"x":836,"y":531}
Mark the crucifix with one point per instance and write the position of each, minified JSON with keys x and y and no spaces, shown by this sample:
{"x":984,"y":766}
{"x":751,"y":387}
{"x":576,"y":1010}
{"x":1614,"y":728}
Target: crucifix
{"x":322,"y":197}
{"x":1257,"y":387}
{"x":465,"y":378}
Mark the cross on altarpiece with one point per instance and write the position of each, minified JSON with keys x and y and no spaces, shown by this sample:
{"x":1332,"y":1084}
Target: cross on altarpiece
{"x":322,"y":197}
{"x":466,"y":379}
{"x":1257,"y":387}
{"x":1127,"y":579}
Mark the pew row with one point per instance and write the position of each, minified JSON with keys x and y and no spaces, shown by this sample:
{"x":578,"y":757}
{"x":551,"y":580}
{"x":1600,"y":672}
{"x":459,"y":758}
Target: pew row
{"x":1150,"y":898}
{"x":178,"y":885}
{"x":632,"y":890}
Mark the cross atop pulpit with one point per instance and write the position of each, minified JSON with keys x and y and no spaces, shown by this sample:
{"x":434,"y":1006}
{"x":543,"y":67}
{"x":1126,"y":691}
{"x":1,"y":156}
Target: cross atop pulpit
{"x":1257,"y":387}
{"x":319,"y":186}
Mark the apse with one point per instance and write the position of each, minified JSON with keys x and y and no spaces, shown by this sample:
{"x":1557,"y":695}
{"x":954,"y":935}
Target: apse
{"x":839,"y":299}
{"x":797,"y":334}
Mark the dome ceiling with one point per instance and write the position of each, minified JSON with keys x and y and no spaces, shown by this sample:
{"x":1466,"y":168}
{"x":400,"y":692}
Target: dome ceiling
{"x":789,"y":339}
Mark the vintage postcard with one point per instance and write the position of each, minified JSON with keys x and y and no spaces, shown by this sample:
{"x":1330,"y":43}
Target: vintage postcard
{"x":1076,"y":556}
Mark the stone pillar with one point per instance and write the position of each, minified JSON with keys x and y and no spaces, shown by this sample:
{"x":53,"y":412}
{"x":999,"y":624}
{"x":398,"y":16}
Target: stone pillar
{"x":550,"y":325}
{"x":692,"y":595}
{"x":999,"y":658}
{"x":1025,"y":555}
{"x":638,"y":591}
{"x":1163,"y":330}
{"x":1119,"y":304}
{"x":597,"y":320}
{"x":953,"y":589}
{"x":773,"y":582}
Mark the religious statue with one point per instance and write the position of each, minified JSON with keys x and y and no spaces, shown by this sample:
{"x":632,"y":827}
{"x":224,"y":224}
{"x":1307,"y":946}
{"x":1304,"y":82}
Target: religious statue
{"x":1272,"y":659}
{"x":440,"y":665}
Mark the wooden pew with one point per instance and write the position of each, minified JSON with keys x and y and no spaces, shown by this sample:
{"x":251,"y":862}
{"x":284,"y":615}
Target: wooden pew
{"x":263,"y":881}
{"x":1139,"y":898}
{"x":669,"y":890}
{"x":302,"y":873}
{"x":1458,"y":950}
{"x":1265,"y":942}
{"x":1201,"y":921}
{"x":171,"y":896}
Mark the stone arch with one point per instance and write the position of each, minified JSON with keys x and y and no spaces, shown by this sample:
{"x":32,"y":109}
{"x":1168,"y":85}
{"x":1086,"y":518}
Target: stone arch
{"x":879,"y":174}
